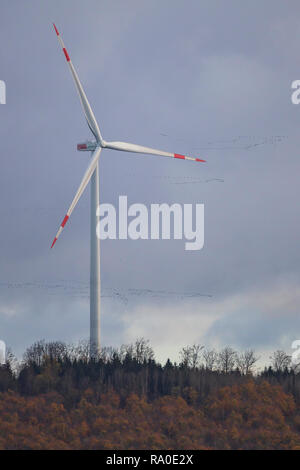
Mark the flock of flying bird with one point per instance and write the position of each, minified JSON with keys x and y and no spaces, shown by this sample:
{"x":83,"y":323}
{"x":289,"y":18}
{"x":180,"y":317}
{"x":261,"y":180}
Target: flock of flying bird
{"x":80,"y":289}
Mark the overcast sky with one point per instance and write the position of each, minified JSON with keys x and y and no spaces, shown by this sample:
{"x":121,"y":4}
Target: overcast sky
{"x":207,"y":78}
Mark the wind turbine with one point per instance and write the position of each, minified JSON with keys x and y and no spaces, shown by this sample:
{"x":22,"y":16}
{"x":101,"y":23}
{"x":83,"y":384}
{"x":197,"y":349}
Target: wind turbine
{"x":92,"y":173}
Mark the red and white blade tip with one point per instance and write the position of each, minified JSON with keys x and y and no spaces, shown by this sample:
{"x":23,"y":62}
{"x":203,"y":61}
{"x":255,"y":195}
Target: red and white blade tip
{"x":56,"y":30}
{"x":185,"y":157}
{"x":53,"y":243}
{"x":62,"y":44}
{"x":66,"y":218}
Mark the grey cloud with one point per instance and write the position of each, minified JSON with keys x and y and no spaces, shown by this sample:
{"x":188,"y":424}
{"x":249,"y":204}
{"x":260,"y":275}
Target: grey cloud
{"x":185,"y":77}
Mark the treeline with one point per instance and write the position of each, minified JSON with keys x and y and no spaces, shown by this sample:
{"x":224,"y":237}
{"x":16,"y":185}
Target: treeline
{"x":57,"y":397}
{"x":69,"y":371}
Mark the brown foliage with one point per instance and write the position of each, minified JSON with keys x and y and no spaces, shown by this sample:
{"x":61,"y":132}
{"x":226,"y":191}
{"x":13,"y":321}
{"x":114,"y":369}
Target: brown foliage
{"x":245,"y":416}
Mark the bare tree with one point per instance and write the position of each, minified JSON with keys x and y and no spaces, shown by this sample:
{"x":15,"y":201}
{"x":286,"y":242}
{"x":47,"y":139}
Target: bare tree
{"x":82,"y":350}
{"x":185,"y":356}
{"x":280,"y":360}
{"x":141,"y":350}
{"x":227,"y":359}
{"x":246,"y":360}
{"x":108,"y":354}
{"x":210,"y":357}
{"x":191,"y":356}
{"x":196,"y":355}
{"x":126,"y":350}
{"x":35,"y":354}
{"x":56,"y":350}
{"x":11,"y":360}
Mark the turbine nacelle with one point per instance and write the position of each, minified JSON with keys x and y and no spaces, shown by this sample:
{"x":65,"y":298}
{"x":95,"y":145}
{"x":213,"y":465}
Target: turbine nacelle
{"x":87,"y":146}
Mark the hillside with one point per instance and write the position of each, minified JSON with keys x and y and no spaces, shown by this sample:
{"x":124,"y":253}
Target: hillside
{"x":59,"y":399}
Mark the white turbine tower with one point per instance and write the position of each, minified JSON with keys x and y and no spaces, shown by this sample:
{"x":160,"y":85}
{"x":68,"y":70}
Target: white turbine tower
{"x":92,"y":173}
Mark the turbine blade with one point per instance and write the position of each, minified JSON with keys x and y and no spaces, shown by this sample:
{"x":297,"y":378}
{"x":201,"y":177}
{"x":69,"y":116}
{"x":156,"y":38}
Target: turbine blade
{"x":126,"y":147}
{"x":82,"y":186}
{"x":91,"y":120}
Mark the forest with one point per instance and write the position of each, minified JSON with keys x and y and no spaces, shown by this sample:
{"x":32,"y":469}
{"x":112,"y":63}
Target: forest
{"x":57,"y":397}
